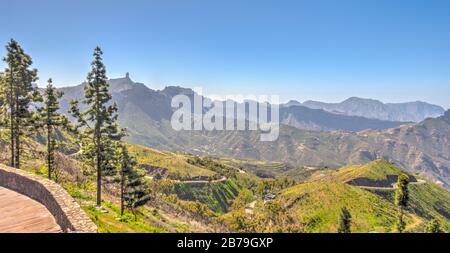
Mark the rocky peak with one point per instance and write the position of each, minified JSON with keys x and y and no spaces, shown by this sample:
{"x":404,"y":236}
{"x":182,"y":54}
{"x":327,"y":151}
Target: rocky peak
{"x":121,"y":84}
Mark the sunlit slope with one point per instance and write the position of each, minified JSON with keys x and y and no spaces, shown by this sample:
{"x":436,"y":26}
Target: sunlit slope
{"x":426,"y":198}
{"x":378,"y":170}
{"x":176,"y":164}
{"x":317,"y":204}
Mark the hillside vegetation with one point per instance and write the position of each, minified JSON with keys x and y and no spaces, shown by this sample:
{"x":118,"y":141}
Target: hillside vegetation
{"x":317,"y":203}
{"x":188,"y":197}
{"x":317,"y":206}
{"x":173,"y":165}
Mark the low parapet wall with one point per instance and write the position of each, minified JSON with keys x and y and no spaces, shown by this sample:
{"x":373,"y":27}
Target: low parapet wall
{"x":68,"y":214}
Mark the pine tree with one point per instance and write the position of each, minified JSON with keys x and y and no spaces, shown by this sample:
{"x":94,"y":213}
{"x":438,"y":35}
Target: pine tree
{"x":345,"y":220}
{"x":433,"y":227}
{"x":3,"y":101}
{"x":401,"y":200}
{"x":134,"y":192}
{"x":19,"y":94}
{"x":8,"y":106}
{"x":127,"y":164}
{"x":98,"y":122}
{"x":8,"y":94}
{"x":52,"y":121}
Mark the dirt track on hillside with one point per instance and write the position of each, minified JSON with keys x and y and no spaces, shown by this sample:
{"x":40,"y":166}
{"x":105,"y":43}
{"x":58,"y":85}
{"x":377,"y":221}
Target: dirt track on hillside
{"x":392,"y":187}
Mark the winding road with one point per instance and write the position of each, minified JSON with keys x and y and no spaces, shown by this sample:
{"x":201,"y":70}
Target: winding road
{"x":223,"y":179}
{"x":392,"y":187}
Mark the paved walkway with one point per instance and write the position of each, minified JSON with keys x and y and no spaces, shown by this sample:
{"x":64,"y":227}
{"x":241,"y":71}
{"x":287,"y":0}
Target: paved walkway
{"x":21,"y":214}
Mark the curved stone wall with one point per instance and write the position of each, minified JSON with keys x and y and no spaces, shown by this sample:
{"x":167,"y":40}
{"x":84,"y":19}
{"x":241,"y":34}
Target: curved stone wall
{"x":68,"y":214}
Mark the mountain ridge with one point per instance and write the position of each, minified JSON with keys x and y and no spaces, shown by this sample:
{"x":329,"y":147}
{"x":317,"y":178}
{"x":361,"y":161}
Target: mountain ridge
{"x":159,"y":101}
{"x":371,"y":108}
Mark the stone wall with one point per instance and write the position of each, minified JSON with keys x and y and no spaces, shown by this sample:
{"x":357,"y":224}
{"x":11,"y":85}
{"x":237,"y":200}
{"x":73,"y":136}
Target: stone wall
{"x":68,"y":214}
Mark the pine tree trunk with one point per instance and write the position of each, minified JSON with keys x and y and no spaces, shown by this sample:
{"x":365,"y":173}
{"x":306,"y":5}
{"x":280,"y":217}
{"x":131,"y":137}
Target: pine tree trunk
{"x":12,"y":119}
{"x":99,"y":173}
{"x":122,"y":182}
{"x":49,"y":152}
{"x":12,"y":136}
{"x":17,"y":158}
{"x":17,"y":136}
{"x":400,"y":219}
{"x":98,"y":145}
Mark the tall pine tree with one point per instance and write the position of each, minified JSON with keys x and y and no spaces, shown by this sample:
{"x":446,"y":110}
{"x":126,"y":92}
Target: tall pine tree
{"x":8,"y":89}
{"x":134,"y":192}
{"x":19,"y":94}
{"x":99,"y":122}
{"x":3,"y":101}
{"x":52,"y":121}
{"x":401,"y":200}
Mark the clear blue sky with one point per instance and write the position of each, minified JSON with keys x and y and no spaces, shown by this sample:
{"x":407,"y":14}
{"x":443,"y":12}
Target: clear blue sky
{"x":322,"y":50}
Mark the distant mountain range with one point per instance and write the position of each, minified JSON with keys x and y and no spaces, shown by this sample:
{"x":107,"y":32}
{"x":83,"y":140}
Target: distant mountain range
{"x":302,"y":117}
{"x":308,"y":137}
{"x":374,"y":109}
{"x":157,"y":106}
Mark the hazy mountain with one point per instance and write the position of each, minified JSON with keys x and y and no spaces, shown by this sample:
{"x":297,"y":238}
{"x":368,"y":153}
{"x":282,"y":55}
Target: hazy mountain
{"x":292,"y":103}
{"x":369,"y":108}
{"x":137,"y":99}
{"x":302,"y":117}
